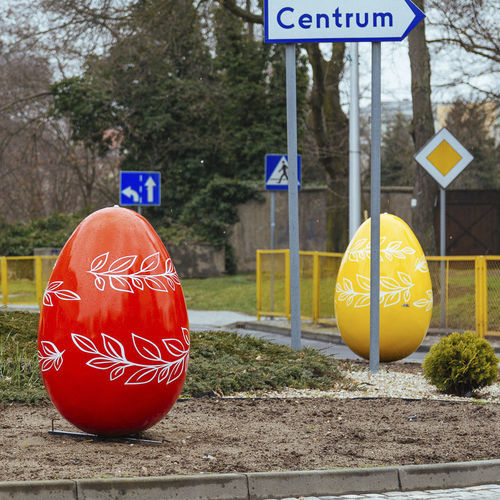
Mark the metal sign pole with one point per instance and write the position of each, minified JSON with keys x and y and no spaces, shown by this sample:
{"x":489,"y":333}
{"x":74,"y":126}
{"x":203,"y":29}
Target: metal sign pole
{"x":293,"y":195}
{"x":354,"y":152}
{"x":273,"y":226}
{"x":375,"y":209}
{"x":442,"y":245}
{"x":273,"y":219}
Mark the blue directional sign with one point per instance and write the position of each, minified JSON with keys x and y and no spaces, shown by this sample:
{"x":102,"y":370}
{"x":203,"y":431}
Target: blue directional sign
{"x":294,"y":21}
{"x":277,"y":172}
{"x":140,"y":188}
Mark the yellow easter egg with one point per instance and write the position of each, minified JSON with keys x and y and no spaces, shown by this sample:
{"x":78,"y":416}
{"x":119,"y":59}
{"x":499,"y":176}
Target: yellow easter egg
{"x":405,"y":291}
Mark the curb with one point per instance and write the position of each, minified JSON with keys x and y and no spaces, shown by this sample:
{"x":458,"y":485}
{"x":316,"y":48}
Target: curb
{"x":262,"y":485}
{"x":285,"y":331}
{"x":333,"y":338}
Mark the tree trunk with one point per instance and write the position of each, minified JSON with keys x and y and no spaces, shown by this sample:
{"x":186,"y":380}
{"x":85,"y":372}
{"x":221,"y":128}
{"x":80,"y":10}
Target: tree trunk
{"x":426,"y":189}
{"x":329,"y":126}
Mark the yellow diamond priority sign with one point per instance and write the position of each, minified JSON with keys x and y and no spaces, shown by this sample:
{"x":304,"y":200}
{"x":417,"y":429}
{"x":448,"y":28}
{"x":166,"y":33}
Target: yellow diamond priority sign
{"x":443,"y":157}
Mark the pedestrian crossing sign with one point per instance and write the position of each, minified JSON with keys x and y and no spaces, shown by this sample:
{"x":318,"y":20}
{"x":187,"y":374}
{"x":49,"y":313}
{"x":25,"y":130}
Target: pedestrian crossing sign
{"x":277,"y":172}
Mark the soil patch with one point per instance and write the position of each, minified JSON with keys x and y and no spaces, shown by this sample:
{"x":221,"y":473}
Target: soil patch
{"x":241,"y":435}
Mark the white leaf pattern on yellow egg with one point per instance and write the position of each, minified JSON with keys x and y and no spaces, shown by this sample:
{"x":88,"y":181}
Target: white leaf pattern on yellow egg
{"x":363,"y":282}
{"x":425,"y":302}
{"x":421,"y":264}
{"x":391,"y":291}
{"x":361,"y":250}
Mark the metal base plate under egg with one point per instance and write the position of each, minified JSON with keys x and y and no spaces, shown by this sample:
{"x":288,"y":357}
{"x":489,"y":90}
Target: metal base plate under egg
{"x":86,"y":435}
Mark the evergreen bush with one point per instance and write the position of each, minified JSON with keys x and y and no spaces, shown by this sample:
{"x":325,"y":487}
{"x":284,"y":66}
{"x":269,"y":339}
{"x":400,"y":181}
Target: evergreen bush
{"x":21,"y":238}
{"x":460,"y":364}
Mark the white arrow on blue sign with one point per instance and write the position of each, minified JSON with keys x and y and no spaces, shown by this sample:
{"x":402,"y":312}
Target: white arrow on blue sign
{"x":140,"y":188}
{"x":293,"y":21}
{"x":277,"y":172}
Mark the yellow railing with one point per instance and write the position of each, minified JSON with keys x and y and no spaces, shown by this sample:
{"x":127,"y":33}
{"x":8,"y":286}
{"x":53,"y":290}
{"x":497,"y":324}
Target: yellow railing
{"x":23,"y":279}
{"x":468,"y":300}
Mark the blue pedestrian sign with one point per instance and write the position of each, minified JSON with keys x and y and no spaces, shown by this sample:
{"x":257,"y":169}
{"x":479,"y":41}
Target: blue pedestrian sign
{"x":277,"y":172}
{"x":140,"y":188}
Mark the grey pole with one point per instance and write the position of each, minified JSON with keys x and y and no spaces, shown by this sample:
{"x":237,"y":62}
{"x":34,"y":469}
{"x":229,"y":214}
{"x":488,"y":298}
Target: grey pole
{"x":293,"y":195}
{"x":273,"y":219}
{"x":273,"y":226}
{"x":442,"y":245}
{"x":375,"y":209}
{"x":354,"y":152}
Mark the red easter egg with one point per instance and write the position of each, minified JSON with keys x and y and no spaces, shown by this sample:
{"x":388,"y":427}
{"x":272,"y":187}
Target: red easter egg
{"x":113,"y":340}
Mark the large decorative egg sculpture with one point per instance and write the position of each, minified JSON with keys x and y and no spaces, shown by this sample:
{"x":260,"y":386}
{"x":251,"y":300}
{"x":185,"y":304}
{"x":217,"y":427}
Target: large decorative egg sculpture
{"x":405,"y":291}
{"x":113,"y":342}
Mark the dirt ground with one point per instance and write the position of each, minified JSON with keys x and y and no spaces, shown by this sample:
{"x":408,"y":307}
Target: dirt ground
{"x":238,"y":435}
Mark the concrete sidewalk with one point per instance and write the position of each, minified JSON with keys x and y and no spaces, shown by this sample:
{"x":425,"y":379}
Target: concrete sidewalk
{"x":262,"y":485}
{"x":330,"y":333}
{"x":218,"y":319}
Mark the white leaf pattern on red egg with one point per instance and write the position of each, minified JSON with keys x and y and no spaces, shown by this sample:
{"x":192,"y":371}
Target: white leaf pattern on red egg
{"x":155,"y":284}
{"x":99,"y":262}
{"x":54,"y":289}
{"x":146,"y":348}
{"x":84,"y":344}
{"x":113,"y":347}
{"x":142,"y":376}
{"x":50,"y":357}
{"x":122,"y":264}
{"x":123,"y":281}
{"x":150,"y":263}
{"x":174,"y":347}
{"x":116,"y":360}
{"x":101,"y":363}
{"x":120,"y":284}
{"x":100,"y":283}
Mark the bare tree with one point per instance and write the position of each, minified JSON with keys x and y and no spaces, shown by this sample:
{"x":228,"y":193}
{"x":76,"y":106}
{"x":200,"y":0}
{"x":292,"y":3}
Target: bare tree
{"x":41,"y":168}
{"x":472,"y":28}
{"x":426,"y":189}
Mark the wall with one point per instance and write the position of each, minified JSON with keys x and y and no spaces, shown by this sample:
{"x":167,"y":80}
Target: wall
{"x":196,"y":260}
{"x":191,"y":260}
{"x":253,"y":230}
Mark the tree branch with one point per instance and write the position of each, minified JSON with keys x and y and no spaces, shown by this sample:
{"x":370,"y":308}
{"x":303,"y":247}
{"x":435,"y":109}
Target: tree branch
{"x":242,"y":13}
{"x":480,"y":50}
{"x":24,"y":99}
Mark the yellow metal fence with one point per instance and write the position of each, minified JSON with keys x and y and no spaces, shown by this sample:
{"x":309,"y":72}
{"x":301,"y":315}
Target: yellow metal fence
{"x":23,"y":279}
{"x":468,"y":300}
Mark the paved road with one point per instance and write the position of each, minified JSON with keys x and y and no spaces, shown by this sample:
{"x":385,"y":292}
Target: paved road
{"x":203,"y":320}
{"x":339,"y":351}
{"x":483,"y":492}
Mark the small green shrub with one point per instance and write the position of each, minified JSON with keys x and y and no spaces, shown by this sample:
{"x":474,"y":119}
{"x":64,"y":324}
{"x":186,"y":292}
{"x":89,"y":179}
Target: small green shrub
{"x":226,"y":362}
{"x":461,"y":363}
